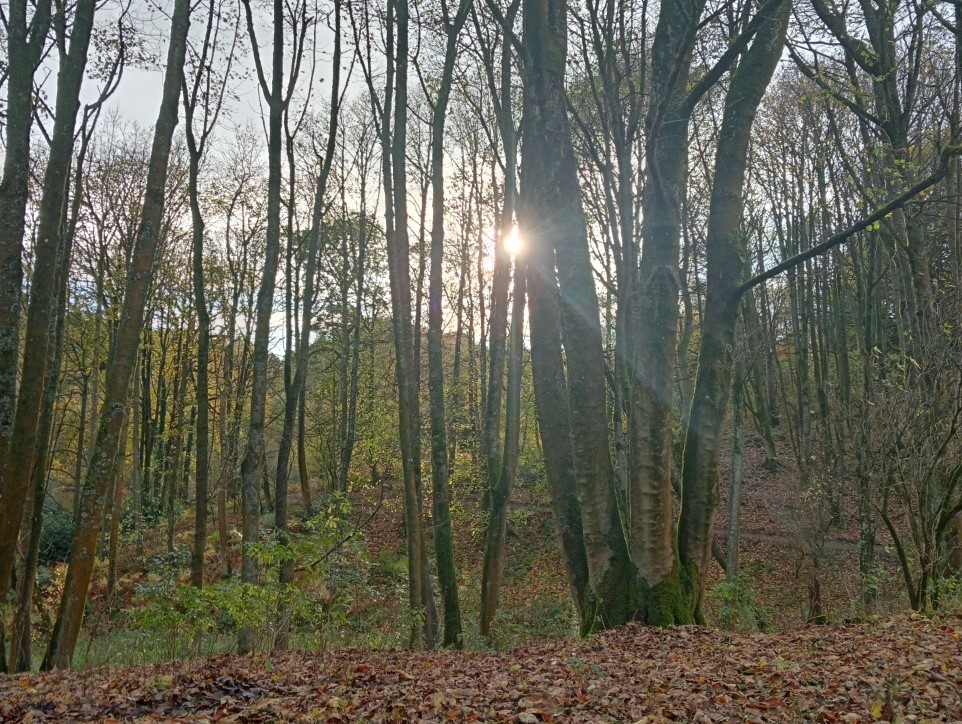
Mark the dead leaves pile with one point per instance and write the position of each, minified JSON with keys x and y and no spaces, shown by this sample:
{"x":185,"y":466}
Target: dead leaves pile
{"x":905,"y":669}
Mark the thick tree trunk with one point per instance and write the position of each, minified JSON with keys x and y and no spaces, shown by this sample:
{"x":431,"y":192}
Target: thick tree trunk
{"x":555,"y":230}
{"x":21,"y":649}
{"x":103,"y":465}
{"x":656,"y":319}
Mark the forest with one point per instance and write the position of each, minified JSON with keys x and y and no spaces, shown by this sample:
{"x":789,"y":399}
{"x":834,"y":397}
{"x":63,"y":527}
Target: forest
{"x":360,"y":330}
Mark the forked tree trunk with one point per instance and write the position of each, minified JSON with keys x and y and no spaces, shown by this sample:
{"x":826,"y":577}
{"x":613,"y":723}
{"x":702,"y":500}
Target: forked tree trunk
{"x":572,"y":411}
{"x":104,"y":463}
{"x":655,"y":319}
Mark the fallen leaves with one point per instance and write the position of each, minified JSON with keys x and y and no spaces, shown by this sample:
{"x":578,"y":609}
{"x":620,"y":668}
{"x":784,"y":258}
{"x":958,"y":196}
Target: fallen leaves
{"x":905,"y":669}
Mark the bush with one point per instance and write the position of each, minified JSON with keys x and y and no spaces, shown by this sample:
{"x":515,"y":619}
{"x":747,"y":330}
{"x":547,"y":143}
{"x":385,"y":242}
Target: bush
{"x":735,"y":604}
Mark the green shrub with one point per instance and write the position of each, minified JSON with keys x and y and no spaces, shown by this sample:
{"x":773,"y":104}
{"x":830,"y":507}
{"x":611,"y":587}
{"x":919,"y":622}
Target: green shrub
{"x":735,"y":604}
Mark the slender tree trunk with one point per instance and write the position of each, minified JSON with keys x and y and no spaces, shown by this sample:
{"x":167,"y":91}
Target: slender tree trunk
{"x":103,"y":465}
{"x":497,"y":329}
{"x":136,"y":474}
{"x":347,"y":447}
{"x":303,"y":350}
{"x":726,"y":250}
{"x":253,"y":460}
{"x":420,"y":593}
{"x":24,"y":45}
{"x":443,"y":534}
{"x":116,"y":507}
{"x":733,"y":537}
{"x":18,"y":470}
{"x":195,"y":149}
{"x":494,"y":554}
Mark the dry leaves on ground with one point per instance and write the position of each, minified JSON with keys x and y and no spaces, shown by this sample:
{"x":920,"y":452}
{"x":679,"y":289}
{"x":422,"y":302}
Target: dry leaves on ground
{"x":905,"y":669}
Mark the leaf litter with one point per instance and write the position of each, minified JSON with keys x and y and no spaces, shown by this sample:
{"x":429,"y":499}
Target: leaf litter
{"x":902,"y":669}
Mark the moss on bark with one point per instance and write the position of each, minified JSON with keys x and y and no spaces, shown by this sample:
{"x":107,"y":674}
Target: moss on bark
{"x":669,"y":602}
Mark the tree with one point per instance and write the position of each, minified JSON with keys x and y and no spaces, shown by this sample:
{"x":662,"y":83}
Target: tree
{"x":18,"y":469}
{"x":103,"y":467}
{"x":25,"y":43}
{"x":277,"y":98}
{"x":295,"y":389}
{"x":208,"y":91}
{"x":443,"y":537}
{"x":726,"y":251}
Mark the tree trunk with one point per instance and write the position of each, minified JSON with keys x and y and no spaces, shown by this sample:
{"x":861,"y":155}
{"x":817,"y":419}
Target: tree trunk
{"x":103,"y":465}
{"x":398,"y":248}
{"x":307,"y":317}
{"x":443,"y":534}
{"x":18,"y":470}
{"x":253,"y":460}
{"x":494,"y":554}
{"x":726,"y":251}
{"x":733,"y":537}
{"x":24,"y":45}
{"x":116,"y":508}
{"x":21,"y":649}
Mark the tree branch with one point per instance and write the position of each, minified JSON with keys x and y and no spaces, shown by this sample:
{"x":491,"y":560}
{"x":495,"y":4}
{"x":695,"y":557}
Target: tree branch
{"x":894,"y":204}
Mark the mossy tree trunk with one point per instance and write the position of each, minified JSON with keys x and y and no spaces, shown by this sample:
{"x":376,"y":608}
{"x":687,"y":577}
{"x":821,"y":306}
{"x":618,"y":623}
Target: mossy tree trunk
{"x":565,"y":316}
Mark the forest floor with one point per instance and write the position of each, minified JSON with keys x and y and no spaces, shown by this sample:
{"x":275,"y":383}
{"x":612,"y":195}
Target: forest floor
{"x":901,"y":669}
{"x":866,"y":666}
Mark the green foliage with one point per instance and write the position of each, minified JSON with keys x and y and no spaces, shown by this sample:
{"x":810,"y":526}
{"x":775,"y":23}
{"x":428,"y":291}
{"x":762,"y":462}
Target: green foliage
{"x":544,"y":617}
{"x":947,"y":594}
{"x":339,"y":596}
{"x":734,"y":603}
{"x":391,"y":565}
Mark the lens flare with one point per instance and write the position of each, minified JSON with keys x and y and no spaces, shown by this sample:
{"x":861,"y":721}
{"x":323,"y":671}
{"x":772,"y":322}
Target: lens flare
{"x":512,"y":242}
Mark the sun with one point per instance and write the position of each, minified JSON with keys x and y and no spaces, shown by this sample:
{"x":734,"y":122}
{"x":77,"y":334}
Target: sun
{"x":512,"y":242}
